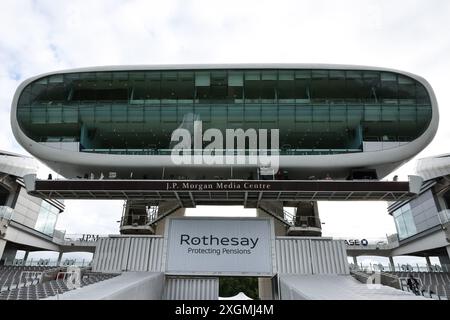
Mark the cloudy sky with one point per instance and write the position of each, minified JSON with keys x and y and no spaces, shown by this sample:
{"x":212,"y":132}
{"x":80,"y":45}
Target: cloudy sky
{"x":41,"y":36}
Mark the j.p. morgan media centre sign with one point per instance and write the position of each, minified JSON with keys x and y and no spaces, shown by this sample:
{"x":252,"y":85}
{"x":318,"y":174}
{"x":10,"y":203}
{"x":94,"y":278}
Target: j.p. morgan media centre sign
{"x":219,"y":246}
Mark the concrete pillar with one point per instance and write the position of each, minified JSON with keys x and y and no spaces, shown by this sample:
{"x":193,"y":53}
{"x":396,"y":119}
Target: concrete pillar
{"x":265,"y":288}
{"x":427,"y":258}
{"x":9,"y":255}
{"x":2,"y":249}
{"x":306,"y":220}
{"x":355,"y":261}
{"x":161,"y":225}
{"x":58,"y":263}
{"x":277,"y":209}
{"x":445,"y":260}
{"x":25,"y":257}
{"x":391,"y":264}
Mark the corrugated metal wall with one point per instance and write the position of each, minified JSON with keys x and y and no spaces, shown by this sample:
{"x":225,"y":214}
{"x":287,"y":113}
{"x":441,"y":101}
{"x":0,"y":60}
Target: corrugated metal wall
{"x":192,"y":289}
{"x":329,"y":257}
{"x":117,"y":254}
{"x":293,"y":255}
{"x":311,"y":256}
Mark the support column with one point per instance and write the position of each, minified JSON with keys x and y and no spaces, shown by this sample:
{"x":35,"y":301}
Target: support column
{"x":9,"y":255}
{"x":355,"y":261}
{"x":161,"y":225}
{"x":2,"y":249}
{"x":445,"y":260}
{"x":276,"y":208}
{"x":306,"y":220}
{"x":25,"y":257}
{"x":427,"y":258}
{"x":59,"y":259}
{"x":391,"y":264}
{"x":265,"y":288}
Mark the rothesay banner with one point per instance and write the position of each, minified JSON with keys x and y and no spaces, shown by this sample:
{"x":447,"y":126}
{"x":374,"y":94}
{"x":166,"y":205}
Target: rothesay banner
{"x":223,"y":246}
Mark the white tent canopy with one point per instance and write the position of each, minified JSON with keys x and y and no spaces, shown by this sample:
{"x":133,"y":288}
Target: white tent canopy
{"x":239,"y":296}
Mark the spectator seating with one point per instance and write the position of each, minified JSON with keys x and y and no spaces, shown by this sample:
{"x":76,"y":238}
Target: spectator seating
{"x":50,"y":288}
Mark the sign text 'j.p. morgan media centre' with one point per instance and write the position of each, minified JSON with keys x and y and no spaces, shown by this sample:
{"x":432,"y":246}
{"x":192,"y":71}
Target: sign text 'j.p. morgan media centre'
{"x":220,"y":246}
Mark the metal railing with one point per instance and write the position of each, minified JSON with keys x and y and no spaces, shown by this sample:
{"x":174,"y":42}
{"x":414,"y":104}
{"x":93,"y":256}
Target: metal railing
{"x":399,"y":267}
{"x":48,"y":262}
{"x":302,"y":221}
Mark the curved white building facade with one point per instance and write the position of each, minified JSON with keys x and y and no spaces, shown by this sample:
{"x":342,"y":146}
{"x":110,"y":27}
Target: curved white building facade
{"x":119,"y":121}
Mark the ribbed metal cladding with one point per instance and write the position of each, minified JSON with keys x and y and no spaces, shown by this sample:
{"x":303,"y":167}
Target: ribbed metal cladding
{"x":329,"y":257}
{"x":145,"y":254}
{"x":192,"y":289}
{"x":311,"y":256}
{"x":111,"y":255}
{"x":293,"y":256}
{"x":128,"y":253}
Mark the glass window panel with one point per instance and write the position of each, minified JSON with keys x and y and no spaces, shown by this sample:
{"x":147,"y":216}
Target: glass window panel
{"x":25,"y":97}
{"x":338,"y":113}
{"x":406,"y":88}
{"x":424,"y":113}
{"x":336,"y":89}
{"x":120,"y":75}
{"x":235,"y":79}
{"x":203,"y":93}
{"x":235,"y":93}
{"x":57,"y":92}
{"x":319,"y":88}
{"x":136,"y":113}
{"x":103,"y":113}
{"x":389,"y":86}
{"x":168,"y":85}
{"x":268,"y":89}
{"x":141,"y":91}
{"x":54,"y":114}
{"x":87,"y":114}
{"x":303,"y":74}
{"x":286,"y":90}
{"x":152,"y":114}
{"x":355,"y":90}
{"x":38,"y":115}
{"x":372,"y":113}
{"x":185,"y":87}
{"x":302,"y":89}
{"x":319,"y":74}
{"x":252,"y":89}
{"x":219,"y":86}
{"x":371,"y":86}
{"x":204,"y":112}
{"x":252,"y":113}
{"x":119,"y":113}
{"x":422,"y":94}
{"x":408,"y":113}
{"x":303,"y":113}
{"x":202,"y":79}
{"x":285,"y":75}
{"x":236,"y":113}
{"x":337,"y":74}
{"x":269,"y":113}
{"x":169,"y":114}
{"x":252,"y":75}
{"x":70,"y":114}
{"x":389,"y":113}
{"x":39,"y":92}
{"x":269,"y":75}
{"x":321,"y":113}
{"x":354,"y":115}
